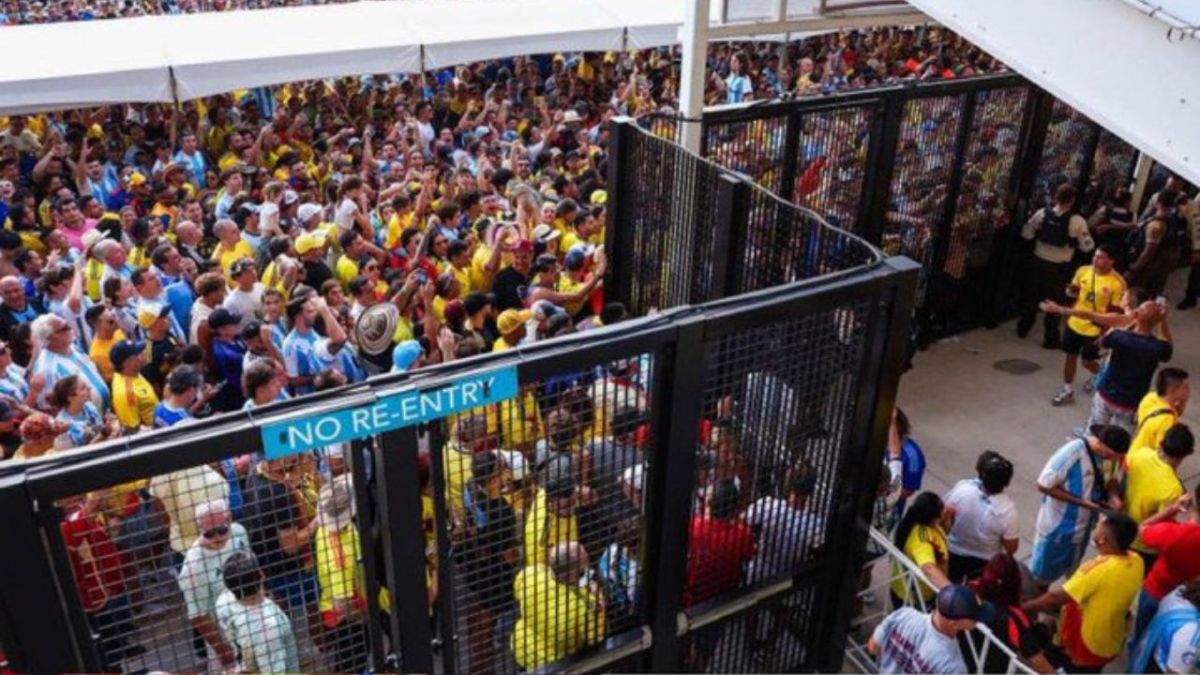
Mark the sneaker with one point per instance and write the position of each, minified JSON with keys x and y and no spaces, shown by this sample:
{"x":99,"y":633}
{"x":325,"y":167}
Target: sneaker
{"x":1186,"y":303}
{"x":1064,"y":397}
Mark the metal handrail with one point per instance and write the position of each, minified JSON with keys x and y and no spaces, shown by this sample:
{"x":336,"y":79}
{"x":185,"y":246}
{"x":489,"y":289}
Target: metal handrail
{"x":901,"y":567}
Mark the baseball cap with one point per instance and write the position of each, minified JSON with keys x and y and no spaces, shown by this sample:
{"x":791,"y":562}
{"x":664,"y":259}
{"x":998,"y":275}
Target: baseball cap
{"x":455,"y":311}
{"x":1113,"y":436}
{"x":149,"y":312}
{"x":523,"y":246}
{"x":223,"y":317}
{"x":307,"y":211}
{"x":251,"y":330}
{"x":123,"y":350}
{"x":405,"y":355}
{"x":545,"y":233}
{"x":309,"y":241}
{"x":958,"y":602}
{"x":137,"y":179}
{"x":599,"y":197}
{"x":575,"y":259}
{"x":512,"y":319}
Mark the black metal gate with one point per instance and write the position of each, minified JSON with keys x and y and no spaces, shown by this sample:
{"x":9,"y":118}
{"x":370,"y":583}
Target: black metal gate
{"x":942,"y":172}
{"x":585,"y":523}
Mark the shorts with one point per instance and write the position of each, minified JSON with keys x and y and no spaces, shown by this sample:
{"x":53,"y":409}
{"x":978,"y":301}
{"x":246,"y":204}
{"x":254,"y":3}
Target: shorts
{"x":1080,"y":345}
{"x":294,"y":589}
{"x":1103,"y":412}
{"x":1056,"y":556}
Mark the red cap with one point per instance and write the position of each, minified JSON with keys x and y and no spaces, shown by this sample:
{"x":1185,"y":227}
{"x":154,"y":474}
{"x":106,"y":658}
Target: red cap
{"x":523,"y":246}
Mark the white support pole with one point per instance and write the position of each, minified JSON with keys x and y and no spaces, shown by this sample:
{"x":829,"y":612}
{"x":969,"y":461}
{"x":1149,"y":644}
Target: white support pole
{"x":695,"y":51}
{"x":1141,"y":178}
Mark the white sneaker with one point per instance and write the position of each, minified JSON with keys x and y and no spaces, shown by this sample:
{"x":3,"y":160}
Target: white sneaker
{"x":1064,"y":397}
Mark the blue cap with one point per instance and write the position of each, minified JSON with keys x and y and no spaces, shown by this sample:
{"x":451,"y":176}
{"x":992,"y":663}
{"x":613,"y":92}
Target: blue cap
{"x":405,"y":355}
{"x":958,"y":602}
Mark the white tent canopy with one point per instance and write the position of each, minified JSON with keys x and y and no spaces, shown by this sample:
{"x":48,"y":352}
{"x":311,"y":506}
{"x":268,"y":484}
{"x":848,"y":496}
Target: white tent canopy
{"x":69,"y":65}
{"x":1134,"y":74}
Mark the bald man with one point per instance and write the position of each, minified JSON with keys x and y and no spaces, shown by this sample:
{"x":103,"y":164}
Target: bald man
{"x":558,"y":617}
{"x":189,"y":235}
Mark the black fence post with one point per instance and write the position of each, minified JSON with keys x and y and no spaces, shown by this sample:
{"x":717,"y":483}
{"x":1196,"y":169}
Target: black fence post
{"x":620,"y":235}
{"x":729,"y":240}
{"x":881,"y":156}
{"x":366,"y":521}
{"x":878,"y":382}
{"x":791,"y":155}
{"x":399,"y":498}
{"x":446,"y":564}
{"x":34,"y":614}
{"x":669,"y":491}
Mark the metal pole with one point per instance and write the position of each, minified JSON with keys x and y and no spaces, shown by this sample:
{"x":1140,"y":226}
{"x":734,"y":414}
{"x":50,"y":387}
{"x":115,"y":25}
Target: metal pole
{"x":695,"y":51}
{"x":1141,"y":178}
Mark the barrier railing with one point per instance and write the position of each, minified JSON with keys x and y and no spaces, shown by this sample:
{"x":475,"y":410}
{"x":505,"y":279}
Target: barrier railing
{"x":943,"y":172}
{"x":873,"y":600}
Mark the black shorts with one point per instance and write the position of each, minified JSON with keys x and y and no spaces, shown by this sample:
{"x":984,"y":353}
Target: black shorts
{"x":1080,"y":345}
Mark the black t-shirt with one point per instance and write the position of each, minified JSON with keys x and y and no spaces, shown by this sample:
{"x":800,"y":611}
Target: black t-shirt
{"x":268,"y":506}
{"x":507,"y":287}
{"x":492,"y":531}
{"x":1131,"y":366}
{"x":160,"y":359}
{"x":1012,"y":627}
{"x":316,"y":272}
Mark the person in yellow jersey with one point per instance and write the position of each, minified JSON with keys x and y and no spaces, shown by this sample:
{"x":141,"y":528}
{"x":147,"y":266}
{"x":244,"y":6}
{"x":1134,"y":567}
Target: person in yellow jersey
{"x":1096,"y":288}
{"x":921,"y":536}
{"x":230,"y":245}
{"x":518,"y":418}
{"x":1160,"y":409}
{"x":105,"y":335}
{"x":134,"y":399}
{"x":1095,"y":600}
{"x":560,"y":613}
{"x":1153,"y":482}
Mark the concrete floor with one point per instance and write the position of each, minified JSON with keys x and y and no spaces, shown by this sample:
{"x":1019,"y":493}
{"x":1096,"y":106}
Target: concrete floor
{"x":960,"y":405}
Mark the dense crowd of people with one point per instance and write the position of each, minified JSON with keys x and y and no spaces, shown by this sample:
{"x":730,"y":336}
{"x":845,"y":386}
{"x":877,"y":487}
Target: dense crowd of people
{"x":1113,"y":572}
{"x":162,"y":265}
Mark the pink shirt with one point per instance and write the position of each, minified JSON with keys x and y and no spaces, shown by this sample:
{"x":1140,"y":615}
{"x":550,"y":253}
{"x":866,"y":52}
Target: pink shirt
{"x":75,"y":237}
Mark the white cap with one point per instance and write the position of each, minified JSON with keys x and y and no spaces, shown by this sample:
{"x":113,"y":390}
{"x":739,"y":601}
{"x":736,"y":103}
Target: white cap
{"x":307,"y":211}
{"x":633,"y":477}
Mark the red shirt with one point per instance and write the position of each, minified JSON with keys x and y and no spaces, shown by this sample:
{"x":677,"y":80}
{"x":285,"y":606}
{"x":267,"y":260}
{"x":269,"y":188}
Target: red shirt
{"x":1178,"y":546}
{"x":718,"y":551}
{"x":96,"y":561}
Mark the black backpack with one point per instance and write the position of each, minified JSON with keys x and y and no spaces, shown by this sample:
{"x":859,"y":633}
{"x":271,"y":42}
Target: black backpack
{"x":1055,"y":229}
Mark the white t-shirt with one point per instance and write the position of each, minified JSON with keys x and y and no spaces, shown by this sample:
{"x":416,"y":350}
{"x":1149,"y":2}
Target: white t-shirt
{"x":344,"y":216}
{"x":268,"y":217}
{"x":908,"y":643}
{"x":247,"y":304}
{"x":786,"y":535}
{"x":982,"y":521}
{"x":181,"y":492}
{"x":200,"y":577}
{"x":262,"y":633}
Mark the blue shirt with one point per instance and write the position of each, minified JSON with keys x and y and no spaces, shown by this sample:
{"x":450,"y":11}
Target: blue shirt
{"x":1131,"y":366}
{"x":181,"y":297}
{"x":167,"y":416}
{"x":300,"y":358}
{"x":227,"y":358}
{"x":83,"y":426}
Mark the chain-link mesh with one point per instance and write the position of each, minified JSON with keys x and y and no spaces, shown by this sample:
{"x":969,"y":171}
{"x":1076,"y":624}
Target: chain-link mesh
{"x":667,"y":127}
{"x":832,"y":161}
{"x":753,"y":147}
{"x":544,"y":501}
{"x":1112,"y":168}
{"x":241,"y":564}
{"x":920,"y":180}
{"x":773,"y":441}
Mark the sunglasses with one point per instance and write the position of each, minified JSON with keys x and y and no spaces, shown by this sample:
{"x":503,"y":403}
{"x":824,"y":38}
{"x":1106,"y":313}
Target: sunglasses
{"x":219,"y":531}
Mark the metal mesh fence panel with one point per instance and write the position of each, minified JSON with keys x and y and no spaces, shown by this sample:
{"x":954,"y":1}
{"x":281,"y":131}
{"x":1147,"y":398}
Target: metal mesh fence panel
{"x":1064,"y":153}
{"x":752,"y":147}
{"x":917,"y":196}
{"x":667,"y":127}
{"x":785,"y":243}
{"x":241,"y":564}
{"x":831,"y":163}
{"x":672,"y":221}
{"x":1112,"y":168}
{"x":544,"y":501}
{"x":773,"y":636}
{"x":984,"y":205}
{"x":773,"y":441}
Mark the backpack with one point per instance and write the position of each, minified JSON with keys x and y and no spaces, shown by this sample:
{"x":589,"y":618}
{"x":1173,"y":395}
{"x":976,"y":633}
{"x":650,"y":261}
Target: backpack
{"x":1055,"y":229}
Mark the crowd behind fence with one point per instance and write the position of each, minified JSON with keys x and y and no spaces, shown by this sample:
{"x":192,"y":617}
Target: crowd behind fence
{"x":602,"y":516}
{"x":936,"y":171}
